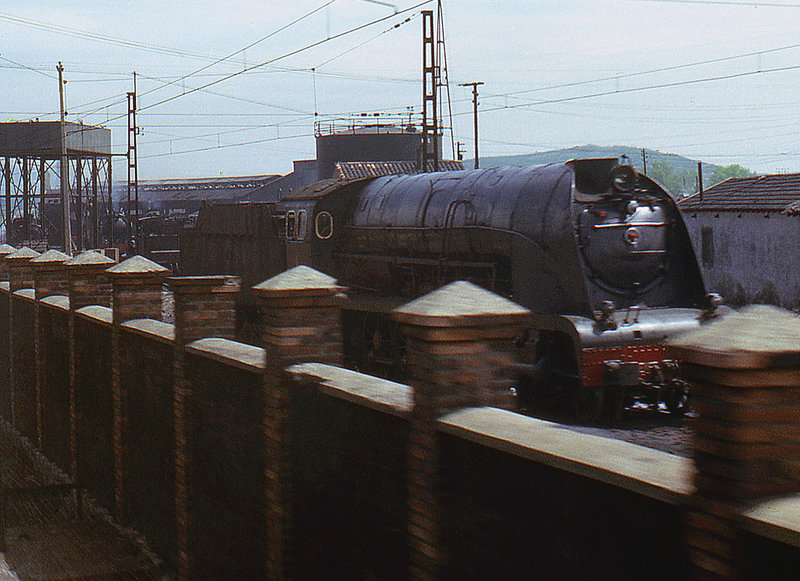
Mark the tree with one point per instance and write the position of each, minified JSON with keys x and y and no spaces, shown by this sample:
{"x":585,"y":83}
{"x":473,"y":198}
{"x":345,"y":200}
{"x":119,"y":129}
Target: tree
{"x":675,"y":182}
{"x":723,"y":172}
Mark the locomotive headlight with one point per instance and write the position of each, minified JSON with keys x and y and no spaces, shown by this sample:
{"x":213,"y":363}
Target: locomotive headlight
{"x":632,"y":236}
{"x":623,"y":178}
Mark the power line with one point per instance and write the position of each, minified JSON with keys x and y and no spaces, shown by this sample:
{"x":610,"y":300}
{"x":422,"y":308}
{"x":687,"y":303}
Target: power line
{"x":288,"y":54}
{"x":356,"y":47}
{"x":224,"y":146}
{"x":59,"y":29}
{"x":723,"y":3}
{"x":29,"y":68}
{"x":648,"y":72}
{"x":251,"y":45}
{"x":638,"y":89}
{"x":275,"y":59}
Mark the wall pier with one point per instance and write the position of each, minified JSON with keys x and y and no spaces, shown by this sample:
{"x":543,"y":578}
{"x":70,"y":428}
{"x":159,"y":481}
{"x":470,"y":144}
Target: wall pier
{"x":746,"y":373}
{"x":136,"y":294}
{"x":204,"y":307}
{"x":301,"y":310}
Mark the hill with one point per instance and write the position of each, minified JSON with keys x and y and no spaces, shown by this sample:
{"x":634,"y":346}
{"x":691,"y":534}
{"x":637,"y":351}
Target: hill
{"x":634,"y":155}
{"x":677,"y":173}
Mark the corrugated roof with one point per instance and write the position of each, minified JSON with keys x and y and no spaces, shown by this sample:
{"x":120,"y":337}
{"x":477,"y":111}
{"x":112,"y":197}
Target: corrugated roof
{"x":768,"y":193}
{"x":195,"y":188}
{"x":348,"y":170}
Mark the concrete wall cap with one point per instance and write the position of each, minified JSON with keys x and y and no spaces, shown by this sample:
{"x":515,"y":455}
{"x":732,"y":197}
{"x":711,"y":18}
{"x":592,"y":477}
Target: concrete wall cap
{"x":225,"y":350}
{"x":58,"y":301}
{"x":52,"y":256}
{"x":645,"y":471}
{"x":90,"y":258}
{"x":297,"y":280}
{"x":138,"y":265}
{"x":6,"y":249}
{"x":461,"y":303}
{"x":218,"y":280}
{"x":776,"y":518}
{"x":758,"y":336}
{"x":97,"y":312}
{"x":23,"y":254}
{"x":373,"y":392}
{"x":26,"y":293}
{"x":158,"y":329}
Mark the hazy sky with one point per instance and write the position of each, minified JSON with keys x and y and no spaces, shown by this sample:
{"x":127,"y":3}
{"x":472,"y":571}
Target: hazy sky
{"x":711,"y":80}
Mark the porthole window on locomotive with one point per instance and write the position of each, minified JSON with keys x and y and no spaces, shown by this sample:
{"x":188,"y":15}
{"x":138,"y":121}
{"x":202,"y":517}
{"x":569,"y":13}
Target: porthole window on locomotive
{"x":323,"y":225}
{"x":290,"y":220}
{"x":302,"y":224}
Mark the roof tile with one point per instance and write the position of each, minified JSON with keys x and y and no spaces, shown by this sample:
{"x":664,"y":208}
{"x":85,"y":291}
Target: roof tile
{"x":767,"y":193}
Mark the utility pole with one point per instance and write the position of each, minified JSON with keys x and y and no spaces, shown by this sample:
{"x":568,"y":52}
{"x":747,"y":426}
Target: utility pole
{"x":474,"y":114}
{"x":65,"y":205}
{"x":644,"y":161}
{"x":700,"y":179}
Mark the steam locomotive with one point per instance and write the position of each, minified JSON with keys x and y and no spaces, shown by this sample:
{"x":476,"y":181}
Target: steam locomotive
{"x":597,"y":251}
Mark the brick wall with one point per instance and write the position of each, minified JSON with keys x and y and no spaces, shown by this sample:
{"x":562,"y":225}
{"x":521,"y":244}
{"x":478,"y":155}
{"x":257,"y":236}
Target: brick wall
{"x":504,"y":516}
{"x":350,"y":464}
{"x":54,"y":397}
{"x":23,"y":393}
{"x":227,"y":504}
{"x":745,"y":369}
{"x":93,"y":403}
{"x":148,"y":466}
{"x":349,"y":440}
{"x":5,"y":387}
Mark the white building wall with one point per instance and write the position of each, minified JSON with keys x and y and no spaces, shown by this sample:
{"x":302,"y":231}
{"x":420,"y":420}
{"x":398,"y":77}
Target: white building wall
{"x":755,"y":257}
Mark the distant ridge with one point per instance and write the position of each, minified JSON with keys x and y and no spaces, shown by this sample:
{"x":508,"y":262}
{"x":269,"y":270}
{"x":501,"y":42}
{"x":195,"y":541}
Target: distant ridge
{"x":634,"y":155}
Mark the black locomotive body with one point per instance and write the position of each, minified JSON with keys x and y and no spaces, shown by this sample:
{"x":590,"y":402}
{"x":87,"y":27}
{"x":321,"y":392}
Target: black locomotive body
{"x":598,"y":252}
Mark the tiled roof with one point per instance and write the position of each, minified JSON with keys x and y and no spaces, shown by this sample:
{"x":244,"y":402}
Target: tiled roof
{"x":768,"y":193}
{"x":318,"y":189}
{"x":348,"y":170}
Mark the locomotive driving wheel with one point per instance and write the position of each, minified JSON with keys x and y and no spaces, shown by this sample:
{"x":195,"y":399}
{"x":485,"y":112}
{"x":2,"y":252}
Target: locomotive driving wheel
{"x":677,"y":398}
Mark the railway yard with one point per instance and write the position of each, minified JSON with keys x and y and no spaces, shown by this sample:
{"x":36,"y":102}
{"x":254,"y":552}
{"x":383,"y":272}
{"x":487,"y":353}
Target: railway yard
{"x":390,"y":362}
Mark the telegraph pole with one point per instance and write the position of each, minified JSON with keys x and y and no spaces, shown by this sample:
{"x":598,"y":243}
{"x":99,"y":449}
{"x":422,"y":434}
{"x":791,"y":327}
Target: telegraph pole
{"x":644,"y":161}
{"x":474,"y":114}
{"x":65,"y":205}
{"x":700,"y":179}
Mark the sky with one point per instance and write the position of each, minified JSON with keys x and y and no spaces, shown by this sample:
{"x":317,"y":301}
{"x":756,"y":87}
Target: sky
{"x":235,"y":88}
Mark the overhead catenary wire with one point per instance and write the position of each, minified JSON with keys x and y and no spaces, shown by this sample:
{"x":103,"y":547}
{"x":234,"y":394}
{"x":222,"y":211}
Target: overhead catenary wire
{"x":227,"y":145}
{"x":647,"y":72}
{"x":249,"y":46}
{"x":724,"y":3}
{"x":638,"y":89}
{"x":76,"y":33}
{"x":277,"y":58}
{"x":288,"y":54}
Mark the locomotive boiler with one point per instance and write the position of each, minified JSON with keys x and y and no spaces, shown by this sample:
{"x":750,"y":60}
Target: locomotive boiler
{"x":597,"y":251}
